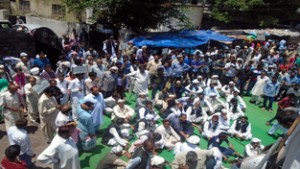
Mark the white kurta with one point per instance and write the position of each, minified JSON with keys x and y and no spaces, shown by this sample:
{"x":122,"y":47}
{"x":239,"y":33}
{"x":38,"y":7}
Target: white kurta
{"x":10,"y":100}
{"x":247,"y":135}
{"x":259,"y":85}
{"x":31,"y":102}
{"x":63,"y":86}
{"x":63,"y":153}
{"x":169,"y":135}
{"x":124,"y":112}
{"x":48,"y":113}
{"x":21,"y":138}
{"x":140,"y":81}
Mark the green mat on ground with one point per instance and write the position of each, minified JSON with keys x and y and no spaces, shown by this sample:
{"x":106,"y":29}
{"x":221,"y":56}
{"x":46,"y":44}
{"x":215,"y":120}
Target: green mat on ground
{"x":257,"y":118}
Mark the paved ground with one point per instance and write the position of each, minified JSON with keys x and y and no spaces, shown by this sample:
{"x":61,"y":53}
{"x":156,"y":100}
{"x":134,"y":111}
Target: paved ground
{"x":36,"y":139}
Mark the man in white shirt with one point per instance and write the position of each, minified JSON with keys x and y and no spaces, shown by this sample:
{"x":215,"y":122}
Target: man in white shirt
{"x":122,"y":111}
{"x":191,"y":144}
{"x":168,"y":134}
{"x":62,"y":152}
{"x":48,"y":109}
{"x":62,"y":84}
{"x":11,"y":103}
{"x":111,"y":102}
{"x":211,"y":127}
{"x":255,"y":148}
{"x":76,"y":89}
{"x":31,"y":100}
{"x":18,"y":135}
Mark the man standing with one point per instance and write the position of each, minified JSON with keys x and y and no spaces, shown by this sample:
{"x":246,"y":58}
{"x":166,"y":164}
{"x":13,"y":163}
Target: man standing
{"x":18,"y":135}
{"x":140,"y":80}
{"x":109,"y":82}
{"x":99,"y":106}
{"x":48,"y":109}
{"x":179,"y":68}
{"x":62,"y":152}
{"x":12,"y":104}
{"x":31,"y":100}
{"x":142,"y":156}
{"x":86,"y":125}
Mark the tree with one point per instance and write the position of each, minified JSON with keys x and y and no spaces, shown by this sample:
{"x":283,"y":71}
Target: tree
{"x":136,"y":15}
{"x":256,"y":12}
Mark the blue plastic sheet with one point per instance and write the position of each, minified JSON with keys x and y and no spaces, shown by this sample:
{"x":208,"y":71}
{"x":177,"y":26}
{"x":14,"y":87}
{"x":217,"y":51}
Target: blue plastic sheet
{"x":182,"y":39}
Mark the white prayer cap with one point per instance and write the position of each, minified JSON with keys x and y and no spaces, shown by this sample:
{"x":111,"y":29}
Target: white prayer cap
{"x":171,"y":96}
{"x":114,"y":68}
{"x":121,"y":101}
{"x":193,"y":139}
{"x":35,"y":71}
{"x":255,"y":140}
{"x":144,"y":47}
{"x":237,"y":90}
{"x":149,"y":116}
{"x":231,"y":82}
{"x":195,"y":81}
{"x":66,"y":63}
{"x":237,"y":47}
{"x":116,"y":149}
{"x":1,"y":66}
{"x":214,"y":76}
{"x":143,"y":94}
{"x":23,"y":54}
{"x":212,"y":94}
{"x":179,"y":56}
{"x":224,"y":111}
{"x":157,"y":160}
{"x":199,"y":77}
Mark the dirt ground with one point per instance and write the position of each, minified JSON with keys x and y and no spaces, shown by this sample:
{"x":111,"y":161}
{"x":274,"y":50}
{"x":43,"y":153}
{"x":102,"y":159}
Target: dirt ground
{"x":37,"y":142}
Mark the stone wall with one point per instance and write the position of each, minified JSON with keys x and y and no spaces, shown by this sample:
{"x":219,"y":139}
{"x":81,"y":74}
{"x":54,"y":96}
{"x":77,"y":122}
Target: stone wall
{"x":59,"y":27}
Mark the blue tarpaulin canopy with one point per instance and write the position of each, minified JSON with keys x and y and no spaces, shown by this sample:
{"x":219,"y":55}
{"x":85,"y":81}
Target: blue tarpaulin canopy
{"x":182,"y":39}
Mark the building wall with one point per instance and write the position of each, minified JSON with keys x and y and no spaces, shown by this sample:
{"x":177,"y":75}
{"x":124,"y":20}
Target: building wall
{"x":5,"y":4}
{"x":42,"y":8}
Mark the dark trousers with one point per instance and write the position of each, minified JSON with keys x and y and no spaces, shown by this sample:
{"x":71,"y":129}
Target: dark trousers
{"x":107,"y":94}
{"x":281,"y":93}
{"x":250,"y":86}
{"x":266,"y":99}
{"x":226,"y":151}
{"x":241,"y":86}
{"x":26,"y":158}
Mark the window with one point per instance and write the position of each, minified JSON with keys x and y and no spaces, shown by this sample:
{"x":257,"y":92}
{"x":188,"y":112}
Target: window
{"x":58,"y":9}
{"x":25,"y":5}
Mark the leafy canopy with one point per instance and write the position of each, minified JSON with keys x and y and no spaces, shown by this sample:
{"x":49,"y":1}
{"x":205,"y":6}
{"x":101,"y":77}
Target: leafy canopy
{"x":256,"y":12}
{"x":132,"y":14}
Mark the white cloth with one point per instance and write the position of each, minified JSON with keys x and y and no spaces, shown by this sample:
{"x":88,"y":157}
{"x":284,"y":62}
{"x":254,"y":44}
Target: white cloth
{"x":140,"y":81}
{"x":117,"y":138}
{"x":125,"y":112}
{"x":76,"y":88}
{"x":257,"y":90}
{"x":251,"y":151}
{"x":21,"y":138}
{"x":192,"y":117}
{"x":61,"y":119}
{"x":63,"y":86}
{"x":31,"y":102}
{"x":63,"y":153}
{"x":208,"y":130}
{"x":169,"y":135}
{"x":182,"y":147}
{"x":241,"y":102}
{"x":142,"y":112}
{"x":11,"y":100}
{"x":247,"y":135}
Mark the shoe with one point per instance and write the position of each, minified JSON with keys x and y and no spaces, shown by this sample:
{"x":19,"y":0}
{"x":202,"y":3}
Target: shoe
{"x":270,"y":110}
{"x":263,"y":108}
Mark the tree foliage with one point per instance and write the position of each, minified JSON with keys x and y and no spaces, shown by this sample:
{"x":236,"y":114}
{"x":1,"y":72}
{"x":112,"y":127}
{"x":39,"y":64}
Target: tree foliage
{"x":132,"y":14}
{"x":256,"y":12}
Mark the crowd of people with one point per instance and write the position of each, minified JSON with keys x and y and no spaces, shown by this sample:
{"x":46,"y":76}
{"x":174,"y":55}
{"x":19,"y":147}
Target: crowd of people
{"x":181,"y":97}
